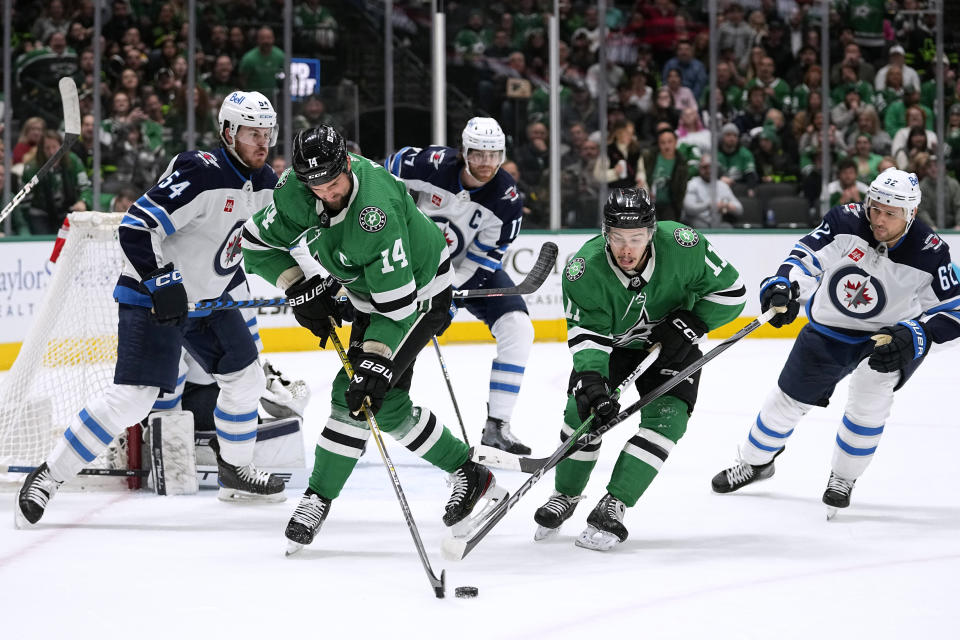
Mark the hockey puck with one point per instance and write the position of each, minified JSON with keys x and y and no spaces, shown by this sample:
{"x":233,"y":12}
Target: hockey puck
{"x":466,"y":592}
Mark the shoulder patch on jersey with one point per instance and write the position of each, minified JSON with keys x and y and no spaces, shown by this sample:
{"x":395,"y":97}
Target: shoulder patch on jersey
{"x":372,"y":219}
{"x":575,"y":269}
{"x":283,"y":177}
{"x":852,"y":207}
{"x":932,"y":241}
{"x":436,"y":158}
{"x":510,"y":194}
{"x":208,"y":159}
{"x":686,"y":237}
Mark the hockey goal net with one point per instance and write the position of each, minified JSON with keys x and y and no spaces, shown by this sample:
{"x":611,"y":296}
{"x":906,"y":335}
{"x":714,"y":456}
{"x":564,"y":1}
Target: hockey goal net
{"x":70,"y":352}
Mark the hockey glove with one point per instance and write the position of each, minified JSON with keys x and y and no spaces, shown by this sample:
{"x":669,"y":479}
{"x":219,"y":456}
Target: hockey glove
{"x":313,"y":302}
{"x":168,"y":294}
{"x":677,"y":333}
{"x":896,"y":346}
{"x":372,"y":375}
{"x":780,"y":292}
{"x":592,"y":393}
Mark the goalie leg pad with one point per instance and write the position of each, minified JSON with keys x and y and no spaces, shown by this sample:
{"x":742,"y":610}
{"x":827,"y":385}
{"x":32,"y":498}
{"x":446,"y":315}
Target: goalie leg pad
{"x":172,"y":453}
{"x":869,"y":400}
{"x":95,"y":426}
{"x":236,"y":413}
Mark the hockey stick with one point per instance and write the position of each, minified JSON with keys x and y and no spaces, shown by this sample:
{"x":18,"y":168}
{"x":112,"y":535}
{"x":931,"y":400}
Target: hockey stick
{"x":123,"y":473}
{"x":458,"y":548}
{"x":453,"y":398}
{"x":439,"y":585}
{"x":503,"y":460}
{"x":538,"y":273}
{"x":71,"y":126}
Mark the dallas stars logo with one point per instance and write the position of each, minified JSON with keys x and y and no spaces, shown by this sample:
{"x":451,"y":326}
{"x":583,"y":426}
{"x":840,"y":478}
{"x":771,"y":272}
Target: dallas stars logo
{"x":856,"y":295}
{"x":686,"y":237}
{"x":575,"y":269}
{"x":372,"y":219}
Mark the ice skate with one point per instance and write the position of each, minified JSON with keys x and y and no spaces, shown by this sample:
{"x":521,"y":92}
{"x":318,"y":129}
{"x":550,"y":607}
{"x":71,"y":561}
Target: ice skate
{"x":837,"y":495}
{"x":470,"y":482}
{"x":497,"y":434}
{"x":553,"y":514}
{"x":742,"y":474}
{"x":605,"y":528}
{"x":246,"y":483}
{"x":306,"y":520}
{"x":37,"y":490}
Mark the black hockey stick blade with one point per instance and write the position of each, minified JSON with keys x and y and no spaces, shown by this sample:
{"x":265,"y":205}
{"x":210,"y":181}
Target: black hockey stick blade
{"x":120,"y":473}
{"x":71,"y":125}
{"x":440,"y":590}
{"x":458,"y":548}
{"x":536,"y":277}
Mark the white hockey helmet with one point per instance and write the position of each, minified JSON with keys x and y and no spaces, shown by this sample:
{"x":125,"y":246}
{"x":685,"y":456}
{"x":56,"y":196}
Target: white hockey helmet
{"x":483,"y":134}
{"x":896,"y":188}
{"x":247,"y":109}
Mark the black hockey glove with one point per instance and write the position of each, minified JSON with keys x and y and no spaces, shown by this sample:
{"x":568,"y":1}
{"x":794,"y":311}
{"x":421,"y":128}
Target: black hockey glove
{"x":896,"y":346}
{"x":592,"y":392}
{"x":168,"y":294}
{"x":372,"y":375}
{"x":313,"y":302}
{"x":677,"y":333}
{"x":780,"y":292}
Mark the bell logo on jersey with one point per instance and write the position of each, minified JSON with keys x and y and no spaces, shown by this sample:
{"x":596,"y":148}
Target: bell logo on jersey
{"x":856,"y":294}
{"x":510,"y":194}
{"x":855,"y":255}
{"x":228,"y":207}
{"x":436,"y":200}
{"x":229,"y":256}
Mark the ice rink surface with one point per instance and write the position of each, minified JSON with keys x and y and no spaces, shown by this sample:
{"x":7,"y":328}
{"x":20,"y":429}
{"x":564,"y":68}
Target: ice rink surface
{"x":761,"y":563}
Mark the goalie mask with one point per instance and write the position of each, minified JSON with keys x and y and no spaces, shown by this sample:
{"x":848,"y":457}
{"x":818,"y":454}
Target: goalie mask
{"x":895,"y":188}
{"x":246,"y":109}
{"x":483,"y":143}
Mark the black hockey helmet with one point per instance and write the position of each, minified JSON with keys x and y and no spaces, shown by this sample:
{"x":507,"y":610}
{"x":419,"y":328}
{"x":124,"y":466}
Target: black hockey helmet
{"x":319,"y":155}
{"x":629,"y":208}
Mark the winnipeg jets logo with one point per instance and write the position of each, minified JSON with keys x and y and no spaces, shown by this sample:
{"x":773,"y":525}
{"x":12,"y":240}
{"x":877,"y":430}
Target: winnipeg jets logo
{"x":932,"y":241}
{"x":452,"y":235}
{"x":510,"y":194}
{"x":437,"y":157}
{"x":229,"y":256}
{"x":208,"y":158}
{"x":857,"y":294}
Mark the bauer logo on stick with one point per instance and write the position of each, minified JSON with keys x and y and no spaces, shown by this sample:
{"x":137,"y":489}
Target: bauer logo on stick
{"x":372,"y":219}
{"x":575,"y":269}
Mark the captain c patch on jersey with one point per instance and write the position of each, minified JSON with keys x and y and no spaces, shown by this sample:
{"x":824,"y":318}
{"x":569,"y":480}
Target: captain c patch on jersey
{"x":856,"y":294}
{"x":372,"y":219}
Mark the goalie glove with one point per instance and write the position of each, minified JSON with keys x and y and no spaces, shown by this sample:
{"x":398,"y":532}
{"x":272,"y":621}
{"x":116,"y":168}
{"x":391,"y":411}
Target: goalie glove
{"x":168,"y":295}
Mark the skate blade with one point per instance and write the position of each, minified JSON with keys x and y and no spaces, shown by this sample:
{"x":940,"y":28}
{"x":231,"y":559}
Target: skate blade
{"x":545,"y":533}
{"x":453,"y":549}
{"x":596,"y":540}
{"x":466,"y":527}
{"x":292,"y":548}
{"x":831,"y":513}
{"x":236,"y":495}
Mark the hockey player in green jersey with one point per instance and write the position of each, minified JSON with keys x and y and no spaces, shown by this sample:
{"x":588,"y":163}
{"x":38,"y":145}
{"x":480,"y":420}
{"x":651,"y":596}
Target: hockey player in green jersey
{"x":364,"y":229}
{"x":639,"y":283}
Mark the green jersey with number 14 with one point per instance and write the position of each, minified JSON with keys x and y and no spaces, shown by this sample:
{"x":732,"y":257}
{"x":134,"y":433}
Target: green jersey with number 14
{"x":606,"y":307}
{"x":386,"y":253}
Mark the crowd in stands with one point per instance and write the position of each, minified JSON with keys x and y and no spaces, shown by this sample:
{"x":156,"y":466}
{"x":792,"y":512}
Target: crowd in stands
{"x":767,"y":84}
{"x":881,"y":102}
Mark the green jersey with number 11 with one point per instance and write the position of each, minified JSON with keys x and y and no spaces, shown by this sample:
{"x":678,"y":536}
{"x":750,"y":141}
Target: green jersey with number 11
{"x":386,"y":253}
{"x":606,"y":307}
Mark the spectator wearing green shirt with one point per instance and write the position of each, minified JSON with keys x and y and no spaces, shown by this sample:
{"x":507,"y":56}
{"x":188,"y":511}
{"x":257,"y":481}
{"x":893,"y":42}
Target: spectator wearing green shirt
{"x":470,"y":42}
{"x":777,"y":91}
{"x":850,"y":82}
{"x":736,"y":161}
{"x":867,"y":161}
{"x":725,"y":82}
{"x":892,"y":90}
{"x":846,"y":188}
{"x":64,"y":189}
{"x":895,"y":117}
{"x":315,"y":24}
{"x":663,"y":172}
{"x":260,"y":66}
{"x":810,"y":84}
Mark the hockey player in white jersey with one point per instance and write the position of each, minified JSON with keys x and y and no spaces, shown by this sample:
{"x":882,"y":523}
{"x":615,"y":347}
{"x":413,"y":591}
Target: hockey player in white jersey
{"x":479,"y":210}
{"x":181,"y":241}
{"x":882,"y":293}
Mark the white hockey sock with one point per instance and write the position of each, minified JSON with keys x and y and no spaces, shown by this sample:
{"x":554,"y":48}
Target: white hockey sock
{"x":235,"y":415}
{"x":514,"y":335}
{"x":773,"y":425}
{"x":869,"y":402}
{"x":96,"y":425}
